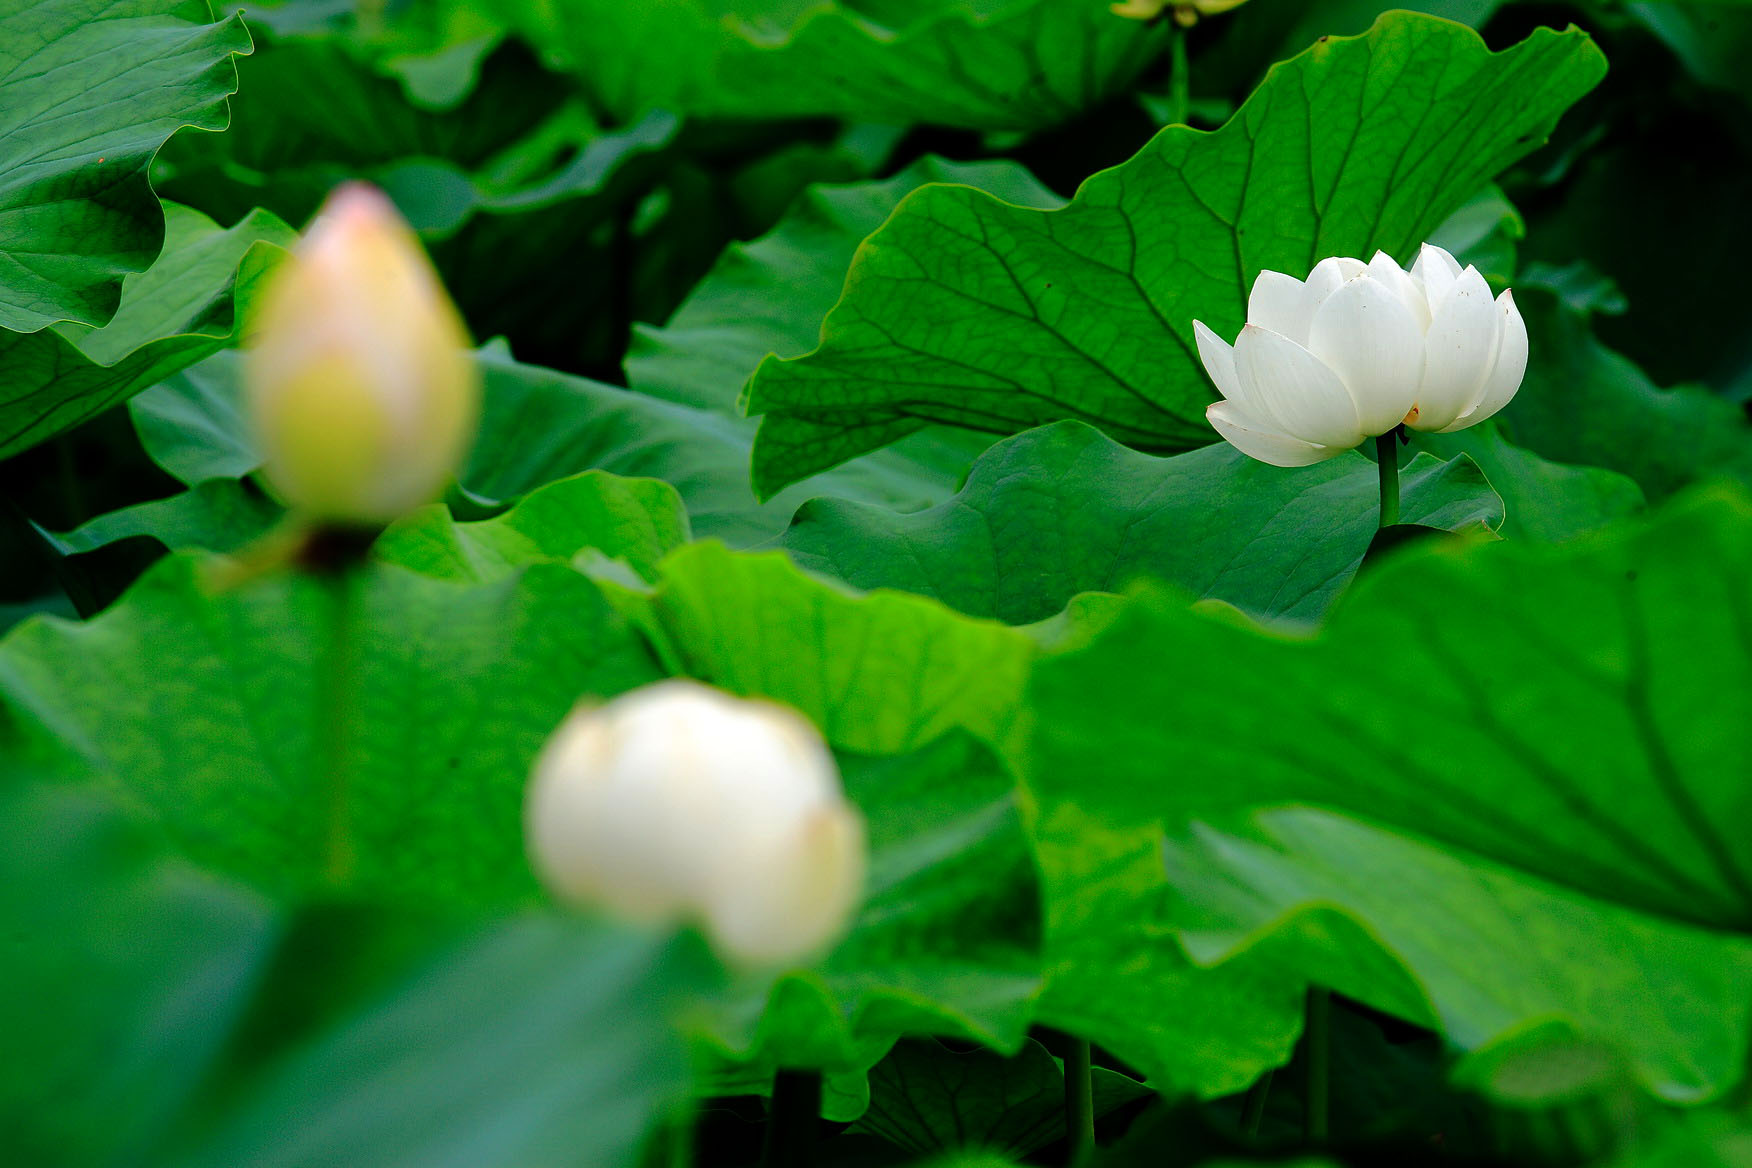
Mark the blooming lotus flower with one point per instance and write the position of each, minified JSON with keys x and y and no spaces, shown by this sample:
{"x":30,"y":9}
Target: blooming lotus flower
{"x":361,"y":389}
{"x":680,"y":802}
{"x":1356,"y":350}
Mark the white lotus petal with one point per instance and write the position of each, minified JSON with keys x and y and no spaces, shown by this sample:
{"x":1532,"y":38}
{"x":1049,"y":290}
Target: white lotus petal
{"x":1511,"y":366}
{"x":1258,"y":441}
{"x":1286,"y":387}
{"x":1459,"y":351}
{"x":1410,"y":293}
{"x":1219,"y":359}
{"x":1280,"y":303}
{"x":1436,"y":270}
{"x":1367,"y":335}
{"x":1328,"y":275}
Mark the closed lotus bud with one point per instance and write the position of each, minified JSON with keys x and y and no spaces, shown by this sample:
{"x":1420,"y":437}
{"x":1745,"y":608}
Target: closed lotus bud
{"x":1186,"y":12}
{"x":361,"y":389}
{"x":679,"y":802}
{"x":1356,"y":350}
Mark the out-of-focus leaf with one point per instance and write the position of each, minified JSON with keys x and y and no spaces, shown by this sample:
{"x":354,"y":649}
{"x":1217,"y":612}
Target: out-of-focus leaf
{"x":981,"y":64}
{"x":927,"y":1098}
{"x":969,"y":311}
{"x":1570,"y":711}
{"x":125,"y":973}
{"x":539,"y":1040}
{"x":181,"y":309}
{"x":88,"y":93}
{"x":1062,"y":510}
{"x":202,"y":704}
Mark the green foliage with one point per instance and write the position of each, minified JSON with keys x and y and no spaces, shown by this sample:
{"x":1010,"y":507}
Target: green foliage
{"x":969,"y":311}
{"x":975,"y":63}
{"x":87,"y":103}
{"x":236,"y":762}
{"x":1485,"y":696}
{"x":840,"y":354}
{"x":181,"y":309}
{"x":1062,"y":510}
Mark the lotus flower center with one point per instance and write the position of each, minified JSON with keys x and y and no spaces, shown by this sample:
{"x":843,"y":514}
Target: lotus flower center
{"x":1412,"y":416}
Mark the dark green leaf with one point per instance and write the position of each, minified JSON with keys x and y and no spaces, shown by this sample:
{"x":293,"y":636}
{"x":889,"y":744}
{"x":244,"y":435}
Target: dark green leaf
{"x":88,"y":93}
{"x":1063,"y":510}
{"x":181,"y":309}
{"x":966,"y":310}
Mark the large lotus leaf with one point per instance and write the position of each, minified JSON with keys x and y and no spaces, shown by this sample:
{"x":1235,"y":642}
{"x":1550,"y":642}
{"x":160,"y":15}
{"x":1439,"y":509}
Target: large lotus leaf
{"x":88,"y":93}
{"x":1063,"y":510}
{"x":535,"y":1040}
{"x":181,"y":309}
{"x":1117,"y":975}
{"x":158,"y":1015}
{"x":769,"y":296}
{"x":1584,"y":403}
{"x":966,"y":310}
{"x":207,"y":705}
{"x":1490,"y":951}
{"x":1574,"y":711}
{"x":1542,"y":500}
{"x":125,"y":973}
{"x":982,"y":64}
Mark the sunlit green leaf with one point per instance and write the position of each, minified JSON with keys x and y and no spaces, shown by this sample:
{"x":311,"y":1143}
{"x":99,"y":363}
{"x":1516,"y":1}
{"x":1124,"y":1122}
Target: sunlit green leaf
{"x":1571,"y":711}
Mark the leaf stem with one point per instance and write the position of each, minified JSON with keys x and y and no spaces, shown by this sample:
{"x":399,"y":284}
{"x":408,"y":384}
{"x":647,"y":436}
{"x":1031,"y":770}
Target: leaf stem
{"x":1387,"y":463}
{"x":1180,"y":80}
{"x":1079,"y":1100}
{"x":336,"y":700}
{"x":1319,"y":1065}
{"x":792,"y":1123}
{"x":1253,"y":1111}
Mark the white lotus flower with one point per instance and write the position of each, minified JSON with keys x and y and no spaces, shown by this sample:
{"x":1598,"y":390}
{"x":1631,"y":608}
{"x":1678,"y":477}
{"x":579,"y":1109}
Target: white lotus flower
{"x":361,"y":389}
{"x":679,"y":802}
{"x":1357,"y":349}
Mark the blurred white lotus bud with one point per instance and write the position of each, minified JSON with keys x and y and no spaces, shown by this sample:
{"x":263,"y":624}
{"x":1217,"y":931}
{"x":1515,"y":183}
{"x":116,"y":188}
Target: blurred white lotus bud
{"x":677,"y":801}
{"x":1357,"y":349}
{"x":361,"y":389}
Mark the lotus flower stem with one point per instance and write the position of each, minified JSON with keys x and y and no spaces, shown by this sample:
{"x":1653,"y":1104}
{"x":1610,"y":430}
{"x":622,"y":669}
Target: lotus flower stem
{"x":1319,"y":1052}
{"x":1253,"y":1110}
{"x":1387,"y":460}
{"x":1079,"y":1100}
{"x":1180,"y":81}
{"x":792,"y":1123}
{"x":336,"y":700}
